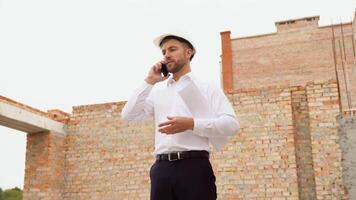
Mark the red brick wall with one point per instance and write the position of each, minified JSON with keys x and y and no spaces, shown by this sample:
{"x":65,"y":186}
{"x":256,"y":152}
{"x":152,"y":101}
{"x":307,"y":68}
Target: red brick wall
{"x":323,"y":103}
{"x":302,"y":141}
{"x":44,"y":173}
{"x":259,"y":163}
{"x":344,"y":43}
{"x":105,"y":158}
{"x":226,"y":61}
{"x":295,"y":54}
{"x":285,"y":58}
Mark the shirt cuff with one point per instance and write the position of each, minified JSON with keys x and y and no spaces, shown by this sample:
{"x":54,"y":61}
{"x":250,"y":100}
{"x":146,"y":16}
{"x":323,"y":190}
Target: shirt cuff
{"x":202,"y":127}
{"x":146,"y":84}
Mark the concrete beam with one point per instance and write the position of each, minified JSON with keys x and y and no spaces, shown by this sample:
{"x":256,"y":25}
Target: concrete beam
{"x":26,"y":121}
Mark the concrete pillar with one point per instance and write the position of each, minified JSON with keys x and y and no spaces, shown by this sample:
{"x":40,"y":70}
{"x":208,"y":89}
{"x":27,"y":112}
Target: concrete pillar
{"x":347,"y":133}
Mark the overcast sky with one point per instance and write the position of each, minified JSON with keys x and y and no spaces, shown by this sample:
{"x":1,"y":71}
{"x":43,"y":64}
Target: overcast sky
{"x":59,"y":54}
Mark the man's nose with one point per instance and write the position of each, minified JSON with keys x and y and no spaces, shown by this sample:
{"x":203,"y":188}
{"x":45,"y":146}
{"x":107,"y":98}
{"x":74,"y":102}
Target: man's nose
{"x":167,"y":56}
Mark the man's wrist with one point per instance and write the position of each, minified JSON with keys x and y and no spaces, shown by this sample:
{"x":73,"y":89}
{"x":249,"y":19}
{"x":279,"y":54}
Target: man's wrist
{"x":150,"y":81}
{"x":192,"y":123}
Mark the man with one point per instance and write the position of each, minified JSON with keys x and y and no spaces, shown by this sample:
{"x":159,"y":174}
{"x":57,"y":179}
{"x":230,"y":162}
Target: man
{"x":182,"y":170}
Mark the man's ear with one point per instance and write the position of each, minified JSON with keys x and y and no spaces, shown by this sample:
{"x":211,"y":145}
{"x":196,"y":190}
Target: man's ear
{"x":189,"y":52}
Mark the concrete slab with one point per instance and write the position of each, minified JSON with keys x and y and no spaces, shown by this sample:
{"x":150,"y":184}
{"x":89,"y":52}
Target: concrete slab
{"x":26,"y":121}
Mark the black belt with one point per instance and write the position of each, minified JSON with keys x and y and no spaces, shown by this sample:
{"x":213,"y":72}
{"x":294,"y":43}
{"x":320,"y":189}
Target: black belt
{"x":182,"y":155}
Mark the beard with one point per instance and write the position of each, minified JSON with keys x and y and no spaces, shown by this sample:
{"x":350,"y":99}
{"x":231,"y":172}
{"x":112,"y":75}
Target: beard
{"x":177,"y":66}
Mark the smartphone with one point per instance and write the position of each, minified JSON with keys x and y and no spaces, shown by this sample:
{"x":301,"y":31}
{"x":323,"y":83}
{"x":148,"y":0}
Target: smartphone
{"x":164,"y":70}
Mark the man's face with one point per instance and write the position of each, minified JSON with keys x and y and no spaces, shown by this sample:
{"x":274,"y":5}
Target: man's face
{"x":176,"y":55}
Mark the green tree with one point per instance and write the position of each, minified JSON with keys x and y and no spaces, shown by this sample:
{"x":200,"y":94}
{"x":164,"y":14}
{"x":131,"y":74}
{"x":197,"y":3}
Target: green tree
{"x":1,"y":195}
{"x":13,"y":194}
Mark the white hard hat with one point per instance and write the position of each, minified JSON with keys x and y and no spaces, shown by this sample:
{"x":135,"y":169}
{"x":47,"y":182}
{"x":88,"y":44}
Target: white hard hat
{"x":159,"y":39}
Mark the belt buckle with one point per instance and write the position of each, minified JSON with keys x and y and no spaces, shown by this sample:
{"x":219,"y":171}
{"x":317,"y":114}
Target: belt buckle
{"x":173,"y":159}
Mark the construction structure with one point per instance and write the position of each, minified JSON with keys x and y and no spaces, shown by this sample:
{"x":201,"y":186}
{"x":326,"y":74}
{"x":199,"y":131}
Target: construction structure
{"x":294,"y":92}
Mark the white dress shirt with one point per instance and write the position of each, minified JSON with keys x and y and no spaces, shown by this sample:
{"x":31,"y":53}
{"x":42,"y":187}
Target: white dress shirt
{"x":164,"y":102}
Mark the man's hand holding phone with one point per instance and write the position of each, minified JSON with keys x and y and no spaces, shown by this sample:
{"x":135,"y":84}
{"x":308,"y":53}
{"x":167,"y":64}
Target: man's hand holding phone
{"x":156,"y":72}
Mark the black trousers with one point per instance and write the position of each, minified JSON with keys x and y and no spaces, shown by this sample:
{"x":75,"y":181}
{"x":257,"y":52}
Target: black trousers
{"x":187,"y":179}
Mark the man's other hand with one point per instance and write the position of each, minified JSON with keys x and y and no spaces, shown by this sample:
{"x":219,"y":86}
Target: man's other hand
{"x":176,"y":124}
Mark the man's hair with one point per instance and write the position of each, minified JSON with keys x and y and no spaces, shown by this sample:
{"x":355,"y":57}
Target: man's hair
{"x":180,"y":39}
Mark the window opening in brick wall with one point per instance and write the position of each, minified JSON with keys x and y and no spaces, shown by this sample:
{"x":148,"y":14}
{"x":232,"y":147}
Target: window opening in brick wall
{"x":12,"y":155}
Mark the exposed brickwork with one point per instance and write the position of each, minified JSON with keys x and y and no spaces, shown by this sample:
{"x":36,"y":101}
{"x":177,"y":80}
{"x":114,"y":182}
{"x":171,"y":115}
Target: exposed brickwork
{"x":259,"y":163}
{"x":105,"y":158}
{"x":323,"y":111}
{"x":226,"y":59}
{"x":300,"y":51}
{"x":302,"y":140}
{"x":344,"y":44}
{"x":44,"y":173}
{"x":59,"y":115}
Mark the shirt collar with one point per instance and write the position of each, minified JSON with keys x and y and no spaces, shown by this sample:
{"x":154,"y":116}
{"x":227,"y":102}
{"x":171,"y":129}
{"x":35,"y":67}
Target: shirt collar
{"x":187,"y":76}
